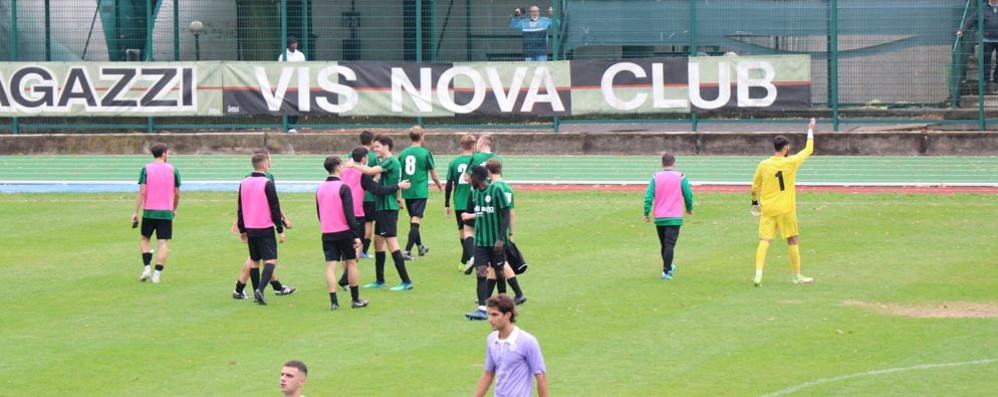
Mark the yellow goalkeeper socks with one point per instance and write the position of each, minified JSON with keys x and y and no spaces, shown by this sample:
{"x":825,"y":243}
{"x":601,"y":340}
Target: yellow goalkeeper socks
{"x":795,"y":260}
{"x":760,"y":256}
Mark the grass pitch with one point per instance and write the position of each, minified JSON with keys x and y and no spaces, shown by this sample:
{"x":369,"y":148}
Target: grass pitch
{"x":76,"y":322}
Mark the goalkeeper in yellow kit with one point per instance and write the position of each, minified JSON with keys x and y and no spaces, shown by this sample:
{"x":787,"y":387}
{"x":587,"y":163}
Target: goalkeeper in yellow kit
{"x":774,"y":201}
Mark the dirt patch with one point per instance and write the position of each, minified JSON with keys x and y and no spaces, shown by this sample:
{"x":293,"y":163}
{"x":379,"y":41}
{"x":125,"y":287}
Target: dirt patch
{"x":940,"y":310}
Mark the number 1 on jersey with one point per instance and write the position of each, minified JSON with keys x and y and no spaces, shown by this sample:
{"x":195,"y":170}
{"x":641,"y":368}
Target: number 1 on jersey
{"x":779,"y":175}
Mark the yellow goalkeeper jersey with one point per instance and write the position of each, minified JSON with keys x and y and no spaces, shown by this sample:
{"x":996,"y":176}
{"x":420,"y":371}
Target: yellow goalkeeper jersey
{"x":775,"y":182}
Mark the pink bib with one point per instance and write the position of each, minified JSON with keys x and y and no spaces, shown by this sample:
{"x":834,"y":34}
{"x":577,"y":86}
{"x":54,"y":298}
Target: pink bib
{"x":160,"y":184}
{"x":331,"y":216}
{"x":256,"y":208}
{"x":668,"y":194}
{"x":351,"y":177}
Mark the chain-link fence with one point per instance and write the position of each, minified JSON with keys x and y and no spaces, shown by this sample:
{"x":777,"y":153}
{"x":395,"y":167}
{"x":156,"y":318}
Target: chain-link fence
{"x":877,"y":61}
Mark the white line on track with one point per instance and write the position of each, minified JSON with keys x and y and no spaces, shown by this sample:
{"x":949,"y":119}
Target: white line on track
{"x":530,"y":182}
{"x":802,"y":386}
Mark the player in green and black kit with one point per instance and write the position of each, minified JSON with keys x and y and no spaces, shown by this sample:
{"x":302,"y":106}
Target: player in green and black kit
{"x":461,"y":188}
{"x":367,"y":141}
{"x":494,"y":168}
{"x":417,"y":163}
{"x":488,"y":206}
{"x":483,"y":152}
{"x":386,"y":214}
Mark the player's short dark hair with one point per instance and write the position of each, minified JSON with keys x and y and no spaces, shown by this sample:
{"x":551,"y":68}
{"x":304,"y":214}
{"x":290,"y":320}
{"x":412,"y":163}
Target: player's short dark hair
{"x":259,"y":159}
{"x":479,"y":172}
{"x":358,"y":153}
{"x":384,"y":140}
{"x":297,"y":364}
{"x":780,"y":142}
{"x":468,"y":142}
{"x":504,"y":304}
{"x":416,"y":134}
{"x":366,"y":137}
{"x":292,"y":39}
{"x":262,"y":151}
{"x":158,"y":149}
{"x":331,"y":163}
{"x":668,"y":160}
{"x":494,"y":166}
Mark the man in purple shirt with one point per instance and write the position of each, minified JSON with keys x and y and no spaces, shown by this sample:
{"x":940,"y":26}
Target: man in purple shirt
{"x":512,"y":356}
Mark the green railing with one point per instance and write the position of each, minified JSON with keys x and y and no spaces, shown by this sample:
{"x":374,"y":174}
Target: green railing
{"x":892,"y":61}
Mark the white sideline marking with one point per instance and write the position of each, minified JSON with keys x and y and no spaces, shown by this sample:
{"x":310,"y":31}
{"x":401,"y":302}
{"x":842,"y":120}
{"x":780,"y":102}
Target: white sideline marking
{"x":802,"y":386}
{"x":527,"y":182}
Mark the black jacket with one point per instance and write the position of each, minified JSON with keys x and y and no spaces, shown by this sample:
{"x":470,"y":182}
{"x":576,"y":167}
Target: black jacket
{"x":990,"y":22}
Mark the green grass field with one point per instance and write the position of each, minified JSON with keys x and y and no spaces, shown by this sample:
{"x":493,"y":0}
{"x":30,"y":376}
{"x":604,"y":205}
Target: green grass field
{"x":75,"y":320}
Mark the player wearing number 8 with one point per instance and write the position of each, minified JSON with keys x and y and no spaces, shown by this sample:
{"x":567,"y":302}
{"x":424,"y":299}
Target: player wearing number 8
{"x":417,"y":164}
{"x":774,"y":200}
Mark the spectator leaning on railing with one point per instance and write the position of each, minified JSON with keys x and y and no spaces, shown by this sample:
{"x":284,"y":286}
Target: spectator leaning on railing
{"x":990,"y":35}
{"x":535,"y":32}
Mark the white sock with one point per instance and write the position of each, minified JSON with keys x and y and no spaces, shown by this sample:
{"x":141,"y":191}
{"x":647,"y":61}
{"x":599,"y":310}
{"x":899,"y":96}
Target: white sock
{"x":147,"y":267}
{"x":482,"y":308}
{"x":156,"y":273}
{"x":758,"y":273}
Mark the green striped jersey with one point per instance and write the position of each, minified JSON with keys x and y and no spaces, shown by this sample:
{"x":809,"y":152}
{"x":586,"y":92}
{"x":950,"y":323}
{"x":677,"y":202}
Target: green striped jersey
{"x":486,"y":204}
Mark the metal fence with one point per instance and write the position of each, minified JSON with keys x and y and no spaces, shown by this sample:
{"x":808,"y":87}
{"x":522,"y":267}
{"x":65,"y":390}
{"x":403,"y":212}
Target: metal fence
{"x":891,"y":61}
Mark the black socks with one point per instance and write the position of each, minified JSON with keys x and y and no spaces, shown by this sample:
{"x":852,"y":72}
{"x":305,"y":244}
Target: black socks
{"x":146,"y":258}
{"x":465,"y":255}
{"x":379,"y":266}
{"x":490,"y":285}
{"x":515,"y":285}
{"x":413,"y":237}
{"x":483,"y":290}
{"x":469,"y":248}
{"x":255,"y":277}
{"x":268,"y":272}
{"x":400,"y":266}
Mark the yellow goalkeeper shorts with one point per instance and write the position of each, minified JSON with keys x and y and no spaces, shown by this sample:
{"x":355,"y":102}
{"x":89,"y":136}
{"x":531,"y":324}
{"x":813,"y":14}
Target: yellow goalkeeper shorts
{"x":786,"y":223}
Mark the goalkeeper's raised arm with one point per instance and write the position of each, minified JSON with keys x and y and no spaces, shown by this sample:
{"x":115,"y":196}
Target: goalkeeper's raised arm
{"x":808,"y":147}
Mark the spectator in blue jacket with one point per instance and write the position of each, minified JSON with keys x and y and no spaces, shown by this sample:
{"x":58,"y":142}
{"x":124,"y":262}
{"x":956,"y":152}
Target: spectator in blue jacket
{"x":535,"y":32}
{"x":990,"y":36}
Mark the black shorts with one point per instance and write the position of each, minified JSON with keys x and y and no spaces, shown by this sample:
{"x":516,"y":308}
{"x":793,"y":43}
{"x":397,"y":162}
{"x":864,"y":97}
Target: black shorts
{"x":486,"y":256}
{"x":339,"y":250}
{"x":386,"y":223}
{"x":163,"y":228}
{"x":416,"y":207}
{"x":368,"y":211}
{"x":262,"y":248}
